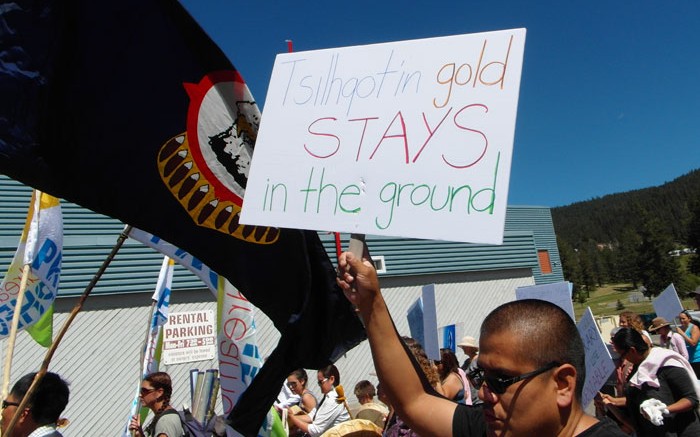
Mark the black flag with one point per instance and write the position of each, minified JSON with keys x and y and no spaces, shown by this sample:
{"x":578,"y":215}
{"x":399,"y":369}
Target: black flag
{"x":129,"y":109}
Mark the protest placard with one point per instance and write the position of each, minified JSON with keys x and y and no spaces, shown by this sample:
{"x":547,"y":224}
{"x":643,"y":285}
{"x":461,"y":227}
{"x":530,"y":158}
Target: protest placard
{"x":667,"y":304}
{"x":449,"y":335}
{"x":422,"y":322}
{"x":599,"y":364}
{"x":558,"y":293}
{"x":390,"y":139}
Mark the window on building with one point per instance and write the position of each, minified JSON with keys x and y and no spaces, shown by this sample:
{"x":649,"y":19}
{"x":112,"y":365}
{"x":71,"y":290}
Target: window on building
{"x":545,"y":263}
{"x":379,"y":264}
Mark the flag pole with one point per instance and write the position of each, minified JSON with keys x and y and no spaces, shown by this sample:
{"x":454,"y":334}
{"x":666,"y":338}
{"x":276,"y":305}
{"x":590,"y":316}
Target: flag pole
{"x":33,"y":213}
{"x":74,"y":312}
{"x":143,"y":357}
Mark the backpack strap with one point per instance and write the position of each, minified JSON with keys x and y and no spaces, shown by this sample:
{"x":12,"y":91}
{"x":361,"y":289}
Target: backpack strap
{"x":152,"y":426}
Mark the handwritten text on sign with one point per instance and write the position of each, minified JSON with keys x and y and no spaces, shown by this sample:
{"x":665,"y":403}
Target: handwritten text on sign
{"x":411,"y":138}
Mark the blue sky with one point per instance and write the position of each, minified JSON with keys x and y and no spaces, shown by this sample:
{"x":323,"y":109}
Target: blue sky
{"x":610,"y":91}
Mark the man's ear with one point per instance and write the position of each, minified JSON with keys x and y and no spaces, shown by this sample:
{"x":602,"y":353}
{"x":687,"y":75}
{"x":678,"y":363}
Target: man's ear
{"x":565,"y":377}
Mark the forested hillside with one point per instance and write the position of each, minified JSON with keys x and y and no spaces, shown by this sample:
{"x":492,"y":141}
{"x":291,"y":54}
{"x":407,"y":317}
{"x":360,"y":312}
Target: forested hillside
{"x":604,"y":219}
{"x":630,"y":237}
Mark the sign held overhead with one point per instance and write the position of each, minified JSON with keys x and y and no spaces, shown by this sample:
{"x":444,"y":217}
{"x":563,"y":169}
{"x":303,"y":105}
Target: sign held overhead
{"x":410,"y":139}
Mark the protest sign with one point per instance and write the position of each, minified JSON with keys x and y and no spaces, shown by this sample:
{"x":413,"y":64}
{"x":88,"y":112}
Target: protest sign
{"x":599,"y":364}
{"x":388,"y":139}
{"x":558,"y":293}
{"x":449,"y":334}
{"x":667,"y":304}
{"x":422,"y":322}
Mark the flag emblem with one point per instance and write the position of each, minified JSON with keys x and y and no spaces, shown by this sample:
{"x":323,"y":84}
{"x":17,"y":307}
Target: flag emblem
{"x":206,"y":168}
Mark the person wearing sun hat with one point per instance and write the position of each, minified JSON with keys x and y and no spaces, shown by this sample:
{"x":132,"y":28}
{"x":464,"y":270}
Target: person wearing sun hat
{"x":667,"y":338}
{"x":470,"y":347}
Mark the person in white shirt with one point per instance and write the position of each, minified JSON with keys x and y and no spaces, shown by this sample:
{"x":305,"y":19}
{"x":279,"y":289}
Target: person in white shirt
{"x":330,"y":410}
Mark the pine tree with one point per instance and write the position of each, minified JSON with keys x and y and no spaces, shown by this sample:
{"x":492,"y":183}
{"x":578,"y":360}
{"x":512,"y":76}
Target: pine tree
{"x":657,"y":268}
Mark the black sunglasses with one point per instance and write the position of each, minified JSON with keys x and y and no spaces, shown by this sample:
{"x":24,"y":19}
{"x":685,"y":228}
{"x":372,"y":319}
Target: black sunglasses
{"x":145,"y":390}
{"x":498,"y":384}
{"x":6,"y":404}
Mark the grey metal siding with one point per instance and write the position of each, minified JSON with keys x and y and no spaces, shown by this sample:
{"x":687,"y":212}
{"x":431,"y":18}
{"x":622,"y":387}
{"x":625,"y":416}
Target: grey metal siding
{"x":88,"y":238}
{"x":407,"y":256}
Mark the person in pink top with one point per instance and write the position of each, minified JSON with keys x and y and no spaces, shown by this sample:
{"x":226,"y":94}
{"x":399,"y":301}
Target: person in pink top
{"x":667,"y":338}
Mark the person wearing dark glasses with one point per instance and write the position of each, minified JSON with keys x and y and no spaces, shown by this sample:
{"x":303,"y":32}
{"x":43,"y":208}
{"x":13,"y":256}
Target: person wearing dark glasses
{"x":42,"y":413}
{"x":662,"y":393}
{"x":330,"y":411}
{"x":530,"y":383}
{"x":296,"y":381}
{"x":156,"y":390}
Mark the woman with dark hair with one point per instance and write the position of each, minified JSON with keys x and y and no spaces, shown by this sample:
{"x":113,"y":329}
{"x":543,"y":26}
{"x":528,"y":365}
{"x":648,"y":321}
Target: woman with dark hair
{"x":691,"y":334}
{"x":452,"y":377}
{"x":331,"y":409}
{"x":155,"y":392}
{"x":661,"y":394}
{"x":296,"y":381}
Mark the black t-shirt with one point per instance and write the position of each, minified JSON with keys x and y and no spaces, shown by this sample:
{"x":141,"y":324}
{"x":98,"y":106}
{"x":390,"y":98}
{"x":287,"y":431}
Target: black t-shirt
{"x":675,"y":383}
{"x":604,"y":428}
{"x":468,"y":421}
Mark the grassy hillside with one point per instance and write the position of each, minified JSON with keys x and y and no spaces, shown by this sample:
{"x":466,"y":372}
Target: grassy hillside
{"x":603,"y":302}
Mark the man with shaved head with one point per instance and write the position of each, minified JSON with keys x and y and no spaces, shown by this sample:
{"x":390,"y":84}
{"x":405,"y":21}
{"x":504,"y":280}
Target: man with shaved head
{"x":530,"y":370}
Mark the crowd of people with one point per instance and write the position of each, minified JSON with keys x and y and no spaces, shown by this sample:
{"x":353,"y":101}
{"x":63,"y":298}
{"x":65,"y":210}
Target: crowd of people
{"x":514,"y":380}
{"x":530,"y":372}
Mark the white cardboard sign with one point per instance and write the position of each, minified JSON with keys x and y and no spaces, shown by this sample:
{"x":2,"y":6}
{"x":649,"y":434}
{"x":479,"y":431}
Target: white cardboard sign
{"x":667,"y":304}
{"x":599,"y":364}
{"x":410,"y":138}
{"x":558,"y":293}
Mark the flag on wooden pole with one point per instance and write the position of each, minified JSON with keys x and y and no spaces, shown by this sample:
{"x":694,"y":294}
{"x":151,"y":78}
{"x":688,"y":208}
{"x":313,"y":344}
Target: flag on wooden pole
{"x":40,"y":246}
{"x":154,"y":340}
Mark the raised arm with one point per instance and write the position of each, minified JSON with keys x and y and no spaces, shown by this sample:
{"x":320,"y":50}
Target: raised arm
{"x":410,"y":395}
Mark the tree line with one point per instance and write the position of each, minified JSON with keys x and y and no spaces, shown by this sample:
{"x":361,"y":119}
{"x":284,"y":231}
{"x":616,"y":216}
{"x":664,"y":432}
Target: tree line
{"x":631,"y":238}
